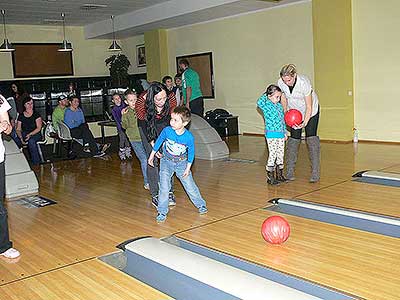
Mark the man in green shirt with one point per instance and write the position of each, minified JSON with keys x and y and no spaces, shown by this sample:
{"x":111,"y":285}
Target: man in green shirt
{"x":192,"y":96}
{"x":58,"y":112}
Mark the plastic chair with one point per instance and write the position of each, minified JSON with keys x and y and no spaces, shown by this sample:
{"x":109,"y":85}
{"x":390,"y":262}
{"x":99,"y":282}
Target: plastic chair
{"x":64,"y":134}
{"x":43,"y":141}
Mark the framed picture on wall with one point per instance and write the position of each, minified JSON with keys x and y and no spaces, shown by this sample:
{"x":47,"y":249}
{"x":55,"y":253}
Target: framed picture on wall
{"x":140,"y":55}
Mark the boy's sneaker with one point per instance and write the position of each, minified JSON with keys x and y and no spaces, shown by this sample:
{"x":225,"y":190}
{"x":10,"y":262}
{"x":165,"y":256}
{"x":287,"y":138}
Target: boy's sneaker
{"x":154,"y":201}
{"x":11,"y":253}
{"x":99,"y":154}
{"x":146,"y":186}
{"x":161,"y":218}
{"x":171,"y":199}
{"x":203,"y":210}
{"x":121,"y":154}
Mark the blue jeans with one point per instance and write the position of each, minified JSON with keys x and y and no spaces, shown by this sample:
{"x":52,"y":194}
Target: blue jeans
{"x":33,"y":147}
{"x":141,"y":155}
{"x":167,"y":170}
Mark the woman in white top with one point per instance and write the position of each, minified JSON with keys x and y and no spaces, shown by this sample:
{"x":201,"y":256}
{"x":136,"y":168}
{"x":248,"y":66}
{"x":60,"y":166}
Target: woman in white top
{"x":299,"y":94}
{"x":6,"y":249}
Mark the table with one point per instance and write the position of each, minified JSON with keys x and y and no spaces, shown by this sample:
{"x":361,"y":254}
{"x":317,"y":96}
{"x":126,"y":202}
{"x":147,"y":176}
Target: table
{"x":102,"y":124}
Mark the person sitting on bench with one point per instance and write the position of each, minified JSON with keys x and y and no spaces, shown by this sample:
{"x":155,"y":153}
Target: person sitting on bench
{"x":75,"y":120}
{"x":29,"y":126}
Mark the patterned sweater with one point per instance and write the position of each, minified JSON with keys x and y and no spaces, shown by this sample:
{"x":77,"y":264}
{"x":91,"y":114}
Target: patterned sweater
{"x":274,"y":117}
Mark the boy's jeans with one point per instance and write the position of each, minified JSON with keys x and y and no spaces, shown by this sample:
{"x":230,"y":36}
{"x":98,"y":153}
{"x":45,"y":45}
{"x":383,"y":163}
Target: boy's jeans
{"x":167,"y":170}
{"x":141,"y":155}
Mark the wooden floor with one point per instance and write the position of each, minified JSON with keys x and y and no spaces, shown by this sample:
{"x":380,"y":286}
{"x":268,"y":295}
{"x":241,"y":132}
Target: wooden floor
{"x":101,"y":203}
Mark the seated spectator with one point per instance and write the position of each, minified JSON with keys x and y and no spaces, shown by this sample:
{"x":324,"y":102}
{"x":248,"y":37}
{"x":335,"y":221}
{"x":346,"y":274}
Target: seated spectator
{"x":75,"y":120}
{"x":29,"y":126}
{"x":58,"y":112}
{"x":19,"y":95}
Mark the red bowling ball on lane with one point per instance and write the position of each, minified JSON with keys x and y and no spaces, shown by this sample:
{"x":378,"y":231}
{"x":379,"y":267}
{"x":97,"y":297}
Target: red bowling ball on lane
{"x":275,"y":230}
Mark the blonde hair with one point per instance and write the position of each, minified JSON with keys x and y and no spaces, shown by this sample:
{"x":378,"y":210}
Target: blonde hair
{"x":288,"y":70}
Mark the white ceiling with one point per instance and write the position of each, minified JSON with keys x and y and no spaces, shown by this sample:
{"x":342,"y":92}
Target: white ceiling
{"x":132,"y":17}
{"x":34,"y":12}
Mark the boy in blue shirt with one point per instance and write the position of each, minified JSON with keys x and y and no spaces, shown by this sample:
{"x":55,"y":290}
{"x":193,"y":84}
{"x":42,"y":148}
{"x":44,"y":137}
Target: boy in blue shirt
{"x":178,"y":156}
{"x":275,"y":132}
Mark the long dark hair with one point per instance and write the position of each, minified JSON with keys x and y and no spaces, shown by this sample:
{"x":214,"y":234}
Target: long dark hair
{"x":20,"y":89}
{"x":151,"y":112}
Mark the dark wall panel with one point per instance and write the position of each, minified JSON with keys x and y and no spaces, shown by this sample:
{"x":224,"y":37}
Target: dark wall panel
{"x":37,"y":60}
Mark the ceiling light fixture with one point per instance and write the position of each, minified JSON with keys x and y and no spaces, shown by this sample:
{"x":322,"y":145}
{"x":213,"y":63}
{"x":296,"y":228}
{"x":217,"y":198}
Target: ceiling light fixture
{"x":114,"y":46}
{"x":6,"y":46}
{"x":65,"y":45}
{"x":92,"y":6}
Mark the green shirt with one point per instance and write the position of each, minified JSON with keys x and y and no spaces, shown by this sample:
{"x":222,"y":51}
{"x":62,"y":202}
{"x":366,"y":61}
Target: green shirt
{"x":57,"y":116}
{"x":130,"y":124}
{"x":190,"y":78}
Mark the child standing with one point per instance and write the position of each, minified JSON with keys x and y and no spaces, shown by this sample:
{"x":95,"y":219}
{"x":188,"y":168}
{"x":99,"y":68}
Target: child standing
{"x":167,"y":80}
{"x":275,"y":132}
{"x":124,"y":148}
{"x":178,"y":156}
{"x":130,"y":124}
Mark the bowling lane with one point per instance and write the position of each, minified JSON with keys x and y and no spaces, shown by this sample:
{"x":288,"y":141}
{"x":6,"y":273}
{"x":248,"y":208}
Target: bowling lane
{"x":89,"y":280}
{"x":360,"y":263}
{"x":371,"y":198}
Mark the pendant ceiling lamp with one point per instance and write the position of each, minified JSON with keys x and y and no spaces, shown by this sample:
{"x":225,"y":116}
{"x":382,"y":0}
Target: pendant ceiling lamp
{"x":114,"y":46}
{"x":6,"y":46}
{"x":65,"y":45}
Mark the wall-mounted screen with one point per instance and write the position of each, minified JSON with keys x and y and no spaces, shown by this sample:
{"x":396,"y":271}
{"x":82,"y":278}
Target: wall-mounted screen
{"x":39,"y":60}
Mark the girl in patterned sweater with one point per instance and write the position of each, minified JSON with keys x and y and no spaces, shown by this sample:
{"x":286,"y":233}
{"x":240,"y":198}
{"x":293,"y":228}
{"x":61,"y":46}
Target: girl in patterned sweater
{"x":275,"y":132}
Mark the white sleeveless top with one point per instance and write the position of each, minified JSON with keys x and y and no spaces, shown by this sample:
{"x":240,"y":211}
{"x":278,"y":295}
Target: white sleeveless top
{"x":296,"y":98}
{"x":3,"y":108}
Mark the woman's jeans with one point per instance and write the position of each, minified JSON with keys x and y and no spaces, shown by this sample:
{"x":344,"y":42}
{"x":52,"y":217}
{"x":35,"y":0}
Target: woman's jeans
{"x":32,"y":146}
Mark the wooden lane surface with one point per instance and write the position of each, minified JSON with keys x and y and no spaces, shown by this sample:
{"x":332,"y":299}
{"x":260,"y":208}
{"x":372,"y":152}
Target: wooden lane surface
{"x":102,"y":203}
{"x":359,"y":263}
{"x":89,"y":280}
{"x":338,"y":161}
{"x":366,"y":197}
{"x":394,"y":169}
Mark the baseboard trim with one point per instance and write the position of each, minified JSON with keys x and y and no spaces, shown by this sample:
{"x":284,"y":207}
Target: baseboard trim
{"x":378,"y":142}
{"x":252,"y":134}
{"x":335,"y":141}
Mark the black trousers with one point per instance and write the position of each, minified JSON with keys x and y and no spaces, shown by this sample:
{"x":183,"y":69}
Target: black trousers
{"x":197,"y":106}
{"x":311,"y":128}
{"x":5,"y":242}
{"x":83,"y":132}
